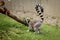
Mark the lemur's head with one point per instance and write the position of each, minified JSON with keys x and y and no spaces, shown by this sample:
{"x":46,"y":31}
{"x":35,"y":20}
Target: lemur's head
{"x":27,"y":20}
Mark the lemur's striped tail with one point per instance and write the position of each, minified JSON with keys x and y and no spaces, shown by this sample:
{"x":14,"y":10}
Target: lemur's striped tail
{"x":40,"y":11}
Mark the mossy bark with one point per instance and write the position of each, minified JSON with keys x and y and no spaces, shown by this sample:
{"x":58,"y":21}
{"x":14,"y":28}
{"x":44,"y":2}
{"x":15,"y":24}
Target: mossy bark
{"x":8,"y":13}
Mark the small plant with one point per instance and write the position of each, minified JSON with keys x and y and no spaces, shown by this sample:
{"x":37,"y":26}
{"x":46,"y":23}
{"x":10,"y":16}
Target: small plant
{"x":53,"y":17}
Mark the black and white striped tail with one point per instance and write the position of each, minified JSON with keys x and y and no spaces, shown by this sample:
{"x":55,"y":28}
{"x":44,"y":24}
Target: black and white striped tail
{"x":40,"y":11}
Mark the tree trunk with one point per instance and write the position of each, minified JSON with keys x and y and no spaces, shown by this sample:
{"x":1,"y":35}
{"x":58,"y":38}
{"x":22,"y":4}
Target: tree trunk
{"x":7,"y":12}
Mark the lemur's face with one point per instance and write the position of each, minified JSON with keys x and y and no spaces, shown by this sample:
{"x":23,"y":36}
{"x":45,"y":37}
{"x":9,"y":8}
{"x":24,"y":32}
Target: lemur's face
{"x":27,"y":20}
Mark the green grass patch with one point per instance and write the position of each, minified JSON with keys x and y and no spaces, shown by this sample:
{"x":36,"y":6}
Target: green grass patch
{"x":12,"y":30}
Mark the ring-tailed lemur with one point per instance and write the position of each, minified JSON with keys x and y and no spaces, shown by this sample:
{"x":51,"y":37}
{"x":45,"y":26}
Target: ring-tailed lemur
{"x":35,"y":24}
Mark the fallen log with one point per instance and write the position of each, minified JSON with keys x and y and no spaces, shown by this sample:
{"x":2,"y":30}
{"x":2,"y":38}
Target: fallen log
{"x":7,"y":12}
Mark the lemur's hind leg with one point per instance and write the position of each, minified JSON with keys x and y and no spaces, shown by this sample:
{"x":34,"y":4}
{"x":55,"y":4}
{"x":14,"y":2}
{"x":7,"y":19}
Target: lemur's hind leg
{"x":37,"y":30}
{"x":30,"y":28}
{"x":36,"y":27}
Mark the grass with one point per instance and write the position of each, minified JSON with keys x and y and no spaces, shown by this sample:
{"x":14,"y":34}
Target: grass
{"x":12,"y":30}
